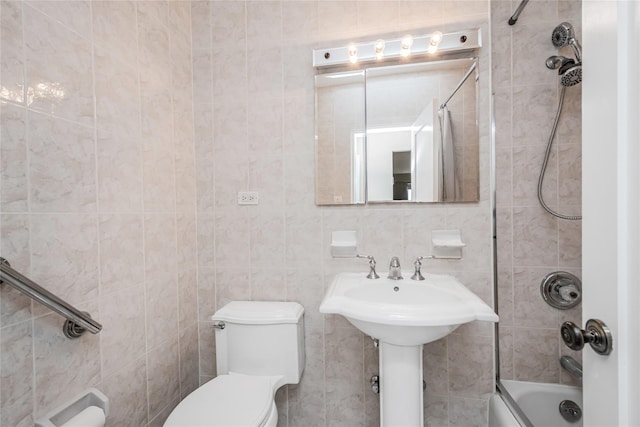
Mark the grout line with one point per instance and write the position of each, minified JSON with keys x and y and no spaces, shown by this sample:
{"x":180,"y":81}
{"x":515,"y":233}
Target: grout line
{"x":29,"y":217}
{"x":246,"y":141}
{"x":196,"y":211}
{"x":143,"y":214}
{"x":283,"y":186}
{"x":97,"y":191}
{"x":174,"y":144}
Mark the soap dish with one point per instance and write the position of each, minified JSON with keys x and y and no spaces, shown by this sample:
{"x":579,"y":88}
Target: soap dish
{"x":447,"y":244}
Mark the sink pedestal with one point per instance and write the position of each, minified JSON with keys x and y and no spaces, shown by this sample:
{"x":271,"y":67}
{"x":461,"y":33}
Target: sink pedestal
{"x":401,"y":395}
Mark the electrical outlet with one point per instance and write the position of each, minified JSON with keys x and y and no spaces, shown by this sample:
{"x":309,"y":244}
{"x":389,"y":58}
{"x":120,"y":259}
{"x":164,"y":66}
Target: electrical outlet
{"x":247,"y":197}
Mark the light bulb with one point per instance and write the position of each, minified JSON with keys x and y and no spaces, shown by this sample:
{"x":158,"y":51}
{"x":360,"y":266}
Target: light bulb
{"x":436,"y":38}
{"x":353,"y":54}
{"x":379,"y":48}
{"x":434,"y":41}
{"x":407,"y":41}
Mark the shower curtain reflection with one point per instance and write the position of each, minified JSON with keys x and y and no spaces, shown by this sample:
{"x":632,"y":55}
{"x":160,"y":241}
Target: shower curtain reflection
{"x":450,"y":186}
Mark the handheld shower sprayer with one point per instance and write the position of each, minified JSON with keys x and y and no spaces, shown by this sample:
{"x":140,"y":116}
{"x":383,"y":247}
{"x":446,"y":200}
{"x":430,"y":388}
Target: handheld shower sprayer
{"x":570,"y":71}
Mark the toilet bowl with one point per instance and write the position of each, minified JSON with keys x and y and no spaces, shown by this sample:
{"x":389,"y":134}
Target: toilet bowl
{"x":229,"y":400}
{"x":259,"y":348}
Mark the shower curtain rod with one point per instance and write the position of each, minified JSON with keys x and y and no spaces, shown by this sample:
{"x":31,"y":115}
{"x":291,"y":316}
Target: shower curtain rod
{"x":516,"y":15}
{"x":464,"y":79}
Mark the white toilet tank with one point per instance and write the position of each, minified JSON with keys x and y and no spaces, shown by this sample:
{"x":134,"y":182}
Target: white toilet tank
{"x":261,"y":338}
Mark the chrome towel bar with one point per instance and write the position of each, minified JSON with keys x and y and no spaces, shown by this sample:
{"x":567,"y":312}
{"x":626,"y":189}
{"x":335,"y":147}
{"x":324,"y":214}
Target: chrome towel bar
{"x":77,"y":321}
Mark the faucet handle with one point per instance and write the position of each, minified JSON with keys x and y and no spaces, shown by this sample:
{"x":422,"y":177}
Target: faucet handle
{"x":372,"y":266}
{"x":417,"y":275}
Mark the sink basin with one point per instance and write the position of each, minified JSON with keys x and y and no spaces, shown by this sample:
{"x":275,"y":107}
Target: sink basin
{"x":405,"y":312}
{"x":403,"y":315}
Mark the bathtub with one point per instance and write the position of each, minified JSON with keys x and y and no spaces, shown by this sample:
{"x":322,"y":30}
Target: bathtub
{"x":539,"y":402}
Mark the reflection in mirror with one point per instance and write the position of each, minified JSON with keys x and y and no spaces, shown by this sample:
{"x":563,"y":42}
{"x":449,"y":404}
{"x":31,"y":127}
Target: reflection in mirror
{"x":340,"y":127}
{"x":407,"y":111}
{"x":421,"y":137}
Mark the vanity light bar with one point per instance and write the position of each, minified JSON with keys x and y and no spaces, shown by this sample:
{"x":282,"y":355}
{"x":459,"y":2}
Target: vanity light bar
{"x":428,"y":44}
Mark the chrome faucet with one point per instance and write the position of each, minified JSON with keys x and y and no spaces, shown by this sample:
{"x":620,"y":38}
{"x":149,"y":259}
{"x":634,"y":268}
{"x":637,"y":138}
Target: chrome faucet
{"x":394,"y":269}
{"x":572,"y":366}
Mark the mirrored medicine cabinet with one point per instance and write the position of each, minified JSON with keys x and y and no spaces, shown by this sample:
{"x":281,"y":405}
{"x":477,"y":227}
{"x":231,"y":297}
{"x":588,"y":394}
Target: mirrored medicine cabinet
{"x":398,"y":133}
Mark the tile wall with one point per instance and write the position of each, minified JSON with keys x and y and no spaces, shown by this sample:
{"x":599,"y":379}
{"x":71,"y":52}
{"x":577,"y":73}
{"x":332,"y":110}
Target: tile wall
{"x":98,"y":204}
{"x":99,"y":185}
{"x":532,"y":243}
{"x":254,"y":119}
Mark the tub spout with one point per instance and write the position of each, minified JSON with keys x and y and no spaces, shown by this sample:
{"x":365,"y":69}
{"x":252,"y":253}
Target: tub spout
{"x":572,"y":366}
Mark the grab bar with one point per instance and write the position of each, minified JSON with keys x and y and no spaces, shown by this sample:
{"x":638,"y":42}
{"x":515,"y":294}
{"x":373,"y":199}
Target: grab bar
{"x":77,"y":321}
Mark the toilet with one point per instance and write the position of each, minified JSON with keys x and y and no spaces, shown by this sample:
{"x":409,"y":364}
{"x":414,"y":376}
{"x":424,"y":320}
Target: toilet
{"x":259,"y":348}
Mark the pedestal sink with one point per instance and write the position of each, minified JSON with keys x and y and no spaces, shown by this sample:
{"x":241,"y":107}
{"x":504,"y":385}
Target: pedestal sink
{"x":403,"y":315}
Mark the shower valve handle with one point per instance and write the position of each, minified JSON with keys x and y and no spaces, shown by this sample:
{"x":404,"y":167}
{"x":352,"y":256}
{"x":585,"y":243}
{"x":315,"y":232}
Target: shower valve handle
{"x":596,"y":334}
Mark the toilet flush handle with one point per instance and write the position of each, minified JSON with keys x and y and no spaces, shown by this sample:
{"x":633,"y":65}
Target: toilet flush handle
{"x":220,"y":325}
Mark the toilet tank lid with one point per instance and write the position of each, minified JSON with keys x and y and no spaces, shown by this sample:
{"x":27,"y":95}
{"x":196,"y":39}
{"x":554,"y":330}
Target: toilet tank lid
{"x":259,"y":312}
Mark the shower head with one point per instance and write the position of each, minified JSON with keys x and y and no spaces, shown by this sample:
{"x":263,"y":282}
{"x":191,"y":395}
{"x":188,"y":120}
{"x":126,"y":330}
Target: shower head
{"x":564,"y":35}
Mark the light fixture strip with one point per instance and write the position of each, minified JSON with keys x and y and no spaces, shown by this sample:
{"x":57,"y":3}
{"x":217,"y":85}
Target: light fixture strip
{"x":451,"y":42}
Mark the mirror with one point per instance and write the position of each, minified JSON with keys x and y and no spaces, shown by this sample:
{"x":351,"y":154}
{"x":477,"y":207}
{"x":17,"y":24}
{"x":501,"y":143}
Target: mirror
{"x":380,"y":138}
{"x":340,"y":130}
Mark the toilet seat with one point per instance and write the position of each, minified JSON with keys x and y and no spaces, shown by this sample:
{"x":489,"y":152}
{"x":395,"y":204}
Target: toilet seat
{"x":226,"y":401}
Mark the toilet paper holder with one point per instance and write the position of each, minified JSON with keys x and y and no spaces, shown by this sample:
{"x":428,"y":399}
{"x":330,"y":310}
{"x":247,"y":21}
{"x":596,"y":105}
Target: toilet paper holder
{"x":65,"y":412}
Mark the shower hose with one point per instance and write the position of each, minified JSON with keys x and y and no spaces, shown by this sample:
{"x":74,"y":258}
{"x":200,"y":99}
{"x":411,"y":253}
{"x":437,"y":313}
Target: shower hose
{"x":546,"y":160}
